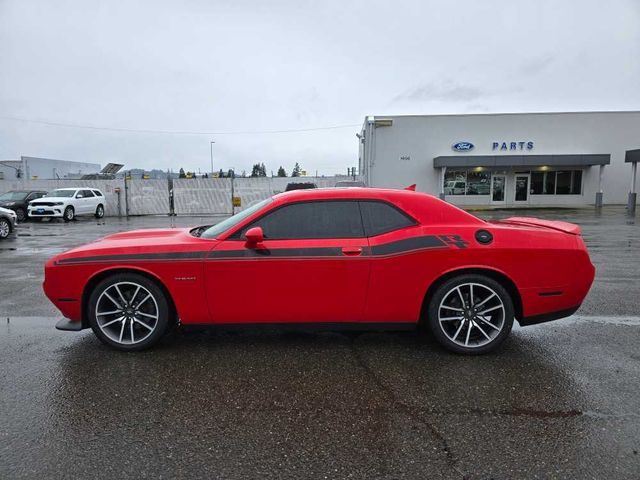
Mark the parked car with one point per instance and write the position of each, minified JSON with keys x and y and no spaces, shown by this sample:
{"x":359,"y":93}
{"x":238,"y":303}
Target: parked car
{"x":68,"y":203}
{"x":454,"y":187}
{"x":363,"y":258}
{"x":8,"y":221}
{"x":18,"y":201}
{"x":350,"y":183}
{"x":299,"y":186}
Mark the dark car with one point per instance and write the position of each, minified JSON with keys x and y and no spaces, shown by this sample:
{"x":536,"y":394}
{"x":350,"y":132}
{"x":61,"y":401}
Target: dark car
{"x":299,"y":186}
{"x":18,"y":200}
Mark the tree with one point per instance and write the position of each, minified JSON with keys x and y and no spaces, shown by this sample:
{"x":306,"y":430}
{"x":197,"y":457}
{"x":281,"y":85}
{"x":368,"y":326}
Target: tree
{"x":296,"y":170}
{"x":259,"y":170}
{"x":220,"y":174}
{"x":182,"y":174}
{"x":282,"y":172}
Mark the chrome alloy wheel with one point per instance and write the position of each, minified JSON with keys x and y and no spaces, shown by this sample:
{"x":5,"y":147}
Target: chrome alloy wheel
{"x":5,"y":229}
{"x":127,"y":313}
{"x":471,"y":315}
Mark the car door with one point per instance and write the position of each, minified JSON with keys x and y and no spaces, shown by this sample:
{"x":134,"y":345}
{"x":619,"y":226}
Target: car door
{"x":311,"y":267}
{"x":89,"y":201}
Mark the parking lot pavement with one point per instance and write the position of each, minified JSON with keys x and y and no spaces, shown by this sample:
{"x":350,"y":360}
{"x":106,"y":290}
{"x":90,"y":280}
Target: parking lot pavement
{"x":559,"y":400}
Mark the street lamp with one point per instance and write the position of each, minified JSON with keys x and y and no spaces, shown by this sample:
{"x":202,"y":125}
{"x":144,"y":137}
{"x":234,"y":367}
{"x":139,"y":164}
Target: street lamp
{"x":211,"y":143}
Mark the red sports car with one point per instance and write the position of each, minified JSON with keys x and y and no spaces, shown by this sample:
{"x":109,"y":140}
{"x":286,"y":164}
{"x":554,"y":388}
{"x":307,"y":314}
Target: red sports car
{"x":328,"y":259}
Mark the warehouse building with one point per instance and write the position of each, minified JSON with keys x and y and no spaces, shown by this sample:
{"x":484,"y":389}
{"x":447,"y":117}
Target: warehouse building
{"x":519,"y":159}
{"x":36,"y":168}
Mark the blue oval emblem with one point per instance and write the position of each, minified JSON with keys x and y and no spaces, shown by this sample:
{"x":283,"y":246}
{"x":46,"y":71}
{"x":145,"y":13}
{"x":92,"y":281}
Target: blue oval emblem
{"x":462,"y":146}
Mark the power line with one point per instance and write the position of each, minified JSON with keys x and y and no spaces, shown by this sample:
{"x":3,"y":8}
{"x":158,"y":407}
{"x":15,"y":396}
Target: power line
{"x":175,"y":132}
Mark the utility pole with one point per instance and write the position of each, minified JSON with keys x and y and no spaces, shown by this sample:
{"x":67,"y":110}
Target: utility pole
{"x":211,"y":144}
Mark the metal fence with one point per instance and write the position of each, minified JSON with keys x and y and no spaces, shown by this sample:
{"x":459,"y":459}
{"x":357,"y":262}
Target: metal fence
{"x":202,"y":196}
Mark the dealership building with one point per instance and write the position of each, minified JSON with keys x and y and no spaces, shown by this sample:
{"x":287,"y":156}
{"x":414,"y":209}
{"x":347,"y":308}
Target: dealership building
{"x":514,"y":159}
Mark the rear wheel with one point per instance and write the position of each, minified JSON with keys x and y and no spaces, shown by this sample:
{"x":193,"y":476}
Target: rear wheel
{"x":99,"y":211}
{"x":5,"y":228}
{"x":69,"y":214}
{"x":471,"y":314}
{"x":129,"y":312}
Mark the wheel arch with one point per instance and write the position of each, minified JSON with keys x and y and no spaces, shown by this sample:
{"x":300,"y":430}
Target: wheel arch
{"x":102,"y":274}
{"x":500,"y":277}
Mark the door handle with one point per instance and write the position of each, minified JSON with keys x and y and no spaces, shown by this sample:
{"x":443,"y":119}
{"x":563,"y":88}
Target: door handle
{"x":352,"y":251}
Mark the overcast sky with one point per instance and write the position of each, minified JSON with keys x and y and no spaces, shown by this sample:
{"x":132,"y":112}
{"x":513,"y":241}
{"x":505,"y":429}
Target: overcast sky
{"x":238,"y":66}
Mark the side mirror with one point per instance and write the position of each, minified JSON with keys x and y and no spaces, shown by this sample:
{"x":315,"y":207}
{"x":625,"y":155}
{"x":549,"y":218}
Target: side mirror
{"x":79,"y":195}
{"x":254,"y":235}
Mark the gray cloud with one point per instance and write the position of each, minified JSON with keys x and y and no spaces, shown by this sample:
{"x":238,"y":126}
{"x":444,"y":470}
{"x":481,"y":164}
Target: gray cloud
{"x":447,"y":91}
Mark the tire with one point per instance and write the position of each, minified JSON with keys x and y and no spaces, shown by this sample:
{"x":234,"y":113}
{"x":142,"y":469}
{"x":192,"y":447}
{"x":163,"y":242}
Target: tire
{"x":69,"y":214}
{"x":5,"y":228}
{"x":135,"y":323}
{"x":459,"y":326}
{"x":21,"y":214}
{"x":99,"y":211}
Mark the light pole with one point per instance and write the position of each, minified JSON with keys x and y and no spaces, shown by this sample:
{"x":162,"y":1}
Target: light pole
{"x":211,"y":143}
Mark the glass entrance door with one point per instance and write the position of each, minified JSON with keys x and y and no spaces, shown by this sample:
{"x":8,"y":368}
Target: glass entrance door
{"x":522,"y":188}
{"x":498,"y":182}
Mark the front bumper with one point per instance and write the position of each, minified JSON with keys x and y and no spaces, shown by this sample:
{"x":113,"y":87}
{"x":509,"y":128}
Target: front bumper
{"x":68,"y":325}
{"x":55,"y":211}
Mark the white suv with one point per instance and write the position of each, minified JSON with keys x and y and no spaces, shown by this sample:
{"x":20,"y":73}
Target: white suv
{"x":67,"y":203}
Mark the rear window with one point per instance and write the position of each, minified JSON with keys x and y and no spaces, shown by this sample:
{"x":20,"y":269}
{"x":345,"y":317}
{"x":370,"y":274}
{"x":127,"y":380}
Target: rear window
{"x":380,"y":217}
{"x":97,"y":192}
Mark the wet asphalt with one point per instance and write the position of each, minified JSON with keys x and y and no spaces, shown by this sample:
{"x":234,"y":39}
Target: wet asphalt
{"x":559,"y":400}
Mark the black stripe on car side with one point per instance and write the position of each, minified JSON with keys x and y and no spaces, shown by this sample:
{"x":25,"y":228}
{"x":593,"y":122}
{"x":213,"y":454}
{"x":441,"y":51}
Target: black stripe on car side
{"x":407,"y":245}
{"x":135,"y":257}
{"x":393,"y":248}
{"x":278,"y":252}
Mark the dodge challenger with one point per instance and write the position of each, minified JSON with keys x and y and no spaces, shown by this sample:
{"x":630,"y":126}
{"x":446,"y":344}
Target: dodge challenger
{"x":355,"y":258}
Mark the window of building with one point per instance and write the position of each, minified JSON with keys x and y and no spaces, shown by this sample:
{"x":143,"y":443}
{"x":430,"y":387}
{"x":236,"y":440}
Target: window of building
{"x":478,"y":183}
{"x":565,"y":182}
{"x":455,"y":182}
{"x":311,"y":220}
{"x":380,"y":217}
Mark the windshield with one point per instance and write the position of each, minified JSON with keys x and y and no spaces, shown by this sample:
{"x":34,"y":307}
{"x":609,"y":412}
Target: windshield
{"x":13,"y":196}
{"x":219,"y":228}
{"x":61,"y":193}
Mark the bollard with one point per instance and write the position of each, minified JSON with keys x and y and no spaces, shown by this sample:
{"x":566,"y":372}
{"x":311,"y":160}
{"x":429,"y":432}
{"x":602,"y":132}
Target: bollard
{"x":599,"y":196}
{"x":631,"y":203}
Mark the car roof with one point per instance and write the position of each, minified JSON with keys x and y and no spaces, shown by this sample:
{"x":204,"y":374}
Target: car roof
{"x":422,"y":206}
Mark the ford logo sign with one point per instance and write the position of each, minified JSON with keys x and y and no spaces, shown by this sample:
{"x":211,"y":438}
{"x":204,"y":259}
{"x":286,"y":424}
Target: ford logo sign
{"x":462,"y":146}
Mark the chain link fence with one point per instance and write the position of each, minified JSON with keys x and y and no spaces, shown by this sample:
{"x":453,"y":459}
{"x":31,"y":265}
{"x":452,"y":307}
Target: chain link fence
{"x":182,"y":196}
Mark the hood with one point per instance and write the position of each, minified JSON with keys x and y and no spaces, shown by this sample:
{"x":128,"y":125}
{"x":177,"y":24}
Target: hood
{"x":557,"y":225}
{"x":6,"y":211}
{"x":50,"y":199}
{"x":167,"y":240}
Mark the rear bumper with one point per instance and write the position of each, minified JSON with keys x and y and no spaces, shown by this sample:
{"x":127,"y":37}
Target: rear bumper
{"x":68,"y":325}
{"x":548,"y":317}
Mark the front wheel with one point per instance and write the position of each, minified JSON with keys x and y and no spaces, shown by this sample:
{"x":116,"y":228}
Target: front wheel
{"x":129,"y":312}
{"x":20,"y":213}
{"x":69,"y":214}
{"x":471,"y":314}
{"x":5,"y":228}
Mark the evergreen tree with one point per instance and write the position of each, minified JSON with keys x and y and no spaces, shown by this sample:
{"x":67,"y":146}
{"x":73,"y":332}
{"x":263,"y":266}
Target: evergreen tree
{"x":296,"y":170}
{"x":282,"y":172}
{"x":182,"y":174}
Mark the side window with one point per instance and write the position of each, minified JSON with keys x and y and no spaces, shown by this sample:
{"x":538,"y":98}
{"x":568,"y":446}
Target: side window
{"x":98,"y":193}
{"x":87,"y":193}
{"x":380,"y":217}
{"x":327,"y":219}
{"x":32,"y":196}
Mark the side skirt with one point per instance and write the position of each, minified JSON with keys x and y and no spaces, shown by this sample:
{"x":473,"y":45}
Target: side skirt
{"x":307,"y":327}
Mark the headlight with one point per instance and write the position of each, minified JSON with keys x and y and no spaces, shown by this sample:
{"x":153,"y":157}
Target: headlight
{"x":10,"y":204}
{"x":59,"y":203}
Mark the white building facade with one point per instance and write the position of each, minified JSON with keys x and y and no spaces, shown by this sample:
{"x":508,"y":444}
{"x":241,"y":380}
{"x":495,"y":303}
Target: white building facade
{"x":528,"y":159}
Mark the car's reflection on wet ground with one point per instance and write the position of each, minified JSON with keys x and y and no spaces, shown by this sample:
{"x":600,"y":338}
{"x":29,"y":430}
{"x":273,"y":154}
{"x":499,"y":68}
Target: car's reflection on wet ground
{"x":559,"y":400}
